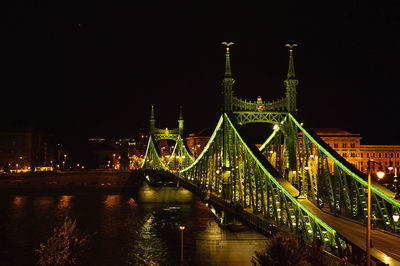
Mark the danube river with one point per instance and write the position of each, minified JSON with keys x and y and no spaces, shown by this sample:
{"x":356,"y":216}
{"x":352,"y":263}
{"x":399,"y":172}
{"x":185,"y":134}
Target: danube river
{"x":138,"y":228}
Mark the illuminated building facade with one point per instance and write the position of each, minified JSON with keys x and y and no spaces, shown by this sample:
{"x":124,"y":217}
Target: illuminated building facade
{"x":196,"y":142}
{"x":349,"y":146}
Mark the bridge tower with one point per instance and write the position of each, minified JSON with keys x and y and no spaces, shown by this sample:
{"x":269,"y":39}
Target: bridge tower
{"x":291,"y":83}
{"x":152,"y":120}
{"x":171,"y":134}
{"x":179,"y":158}
{"x":228,"y":81}
{"x":180,"y":122}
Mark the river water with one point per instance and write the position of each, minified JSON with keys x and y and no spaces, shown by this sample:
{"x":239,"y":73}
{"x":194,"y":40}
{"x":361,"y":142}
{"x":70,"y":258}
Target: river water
{"x":139,"y":228}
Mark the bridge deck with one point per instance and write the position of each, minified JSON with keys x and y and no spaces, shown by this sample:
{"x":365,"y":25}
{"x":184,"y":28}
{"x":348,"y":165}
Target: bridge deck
{"x":385,"y":245}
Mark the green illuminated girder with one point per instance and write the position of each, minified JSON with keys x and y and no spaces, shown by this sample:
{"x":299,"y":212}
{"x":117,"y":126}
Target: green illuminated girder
{"x":291,"y":144}
{"x":260,"y":191}
{"x":245,"y":105}
{"x":342,"y":191}
{"x":170,"y":136}
{"x":151,"y":159}
{"x":180,"y":157}
{"x":245,"y":117}
{"x":329,"y":181}
{"x":325,"y":176}
{"x":381,"y":200}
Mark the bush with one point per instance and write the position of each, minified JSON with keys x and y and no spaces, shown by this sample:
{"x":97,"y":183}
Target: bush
{"x":65,"y":247}
{"x":282,"y":249}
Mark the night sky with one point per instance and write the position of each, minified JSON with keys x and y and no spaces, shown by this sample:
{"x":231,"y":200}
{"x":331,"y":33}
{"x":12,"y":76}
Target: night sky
{"x":90,"y":69}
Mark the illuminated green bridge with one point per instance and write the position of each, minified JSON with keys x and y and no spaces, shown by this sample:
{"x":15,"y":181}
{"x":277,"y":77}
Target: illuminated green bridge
{"x":294,"y":181}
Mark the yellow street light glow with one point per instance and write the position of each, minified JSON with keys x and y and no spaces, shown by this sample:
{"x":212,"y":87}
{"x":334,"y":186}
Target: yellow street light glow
{"x":396,"y":217}
{"x":380,"y":174}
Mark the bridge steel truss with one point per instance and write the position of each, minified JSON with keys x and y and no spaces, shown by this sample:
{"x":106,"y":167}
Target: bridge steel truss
{"x":254,"y":185}
{"x":180,"y":157}
{"x":323,"y":176}
{"x":256,"y":179}
{"x":152,"y":160}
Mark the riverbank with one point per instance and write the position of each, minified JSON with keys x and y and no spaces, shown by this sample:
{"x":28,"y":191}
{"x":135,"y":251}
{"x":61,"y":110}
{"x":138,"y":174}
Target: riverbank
{"x":71,"y":182}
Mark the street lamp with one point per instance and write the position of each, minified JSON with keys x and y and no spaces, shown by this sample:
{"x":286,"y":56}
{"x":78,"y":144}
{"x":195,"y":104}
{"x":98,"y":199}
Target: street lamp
{"x":65,"y":161}
{"x":181,"y":227}
{"x":380,"y":175}
{"x":395,"y":181}
{"x":396,"y":185}
{"x":396,"y":217}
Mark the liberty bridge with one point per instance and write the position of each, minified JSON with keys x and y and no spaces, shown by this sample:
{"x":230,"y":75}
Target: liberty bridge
{"x":294,"y":181}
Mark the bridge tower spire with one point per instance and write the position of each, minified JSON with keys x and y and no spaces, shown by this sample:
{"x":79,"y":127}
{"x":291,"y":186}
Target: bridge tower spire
{"x":291,"y":82}
{"x":180,"y":122}
{"x":228,"y":81}
{"x":152,"y":120}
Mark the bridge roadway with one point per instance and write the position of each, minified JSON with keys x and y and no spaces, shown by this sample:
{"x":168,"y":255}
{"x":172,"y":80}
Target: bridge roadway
{"x":386,"y":246}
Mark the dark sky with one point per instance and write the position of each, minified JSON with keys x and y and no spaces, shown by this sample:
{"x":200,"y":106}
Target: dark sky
{"x":90,"y":69}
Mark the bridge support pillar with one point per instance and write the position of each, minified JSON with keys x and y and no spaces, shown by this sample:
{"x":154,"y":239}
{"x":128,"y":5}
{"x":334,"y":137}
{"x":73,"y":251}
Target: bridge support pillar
{"x":226,"y":191}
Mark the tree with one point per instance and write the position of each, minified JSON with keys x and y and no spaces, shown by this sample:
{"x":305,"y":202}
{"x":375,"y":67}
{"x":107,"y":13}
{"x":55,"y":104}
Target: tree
{"x":65,"y":247}
{"x":282,"y":249}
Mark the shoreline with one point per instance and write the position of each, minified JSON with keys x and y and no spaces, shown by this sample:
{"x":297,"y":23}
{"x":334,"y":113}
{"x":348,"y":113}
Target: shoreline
{"x":71,"y":182}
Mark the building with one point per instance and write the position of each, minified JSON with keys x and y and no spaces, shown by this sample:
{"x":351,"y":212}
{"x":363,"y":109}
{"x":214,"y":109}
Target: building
{"x":197,"y":141}
{"x":23,"y":149}
{"x":117,"y":154}
{"x":349,"y":146}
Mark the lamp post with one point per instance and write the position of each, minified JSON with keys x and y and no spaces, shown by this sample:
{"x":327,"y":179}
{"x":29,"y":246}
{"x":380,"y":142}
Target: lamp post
{"x":181,"y":227}
{"x":380,"y":175}
{"x":396,"y":185}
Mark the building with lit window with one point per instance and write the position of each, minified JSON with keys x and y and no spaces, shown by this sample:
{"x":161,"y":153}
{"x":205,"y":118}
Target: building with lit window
{"x":23,"y":149}
{"x":349,"y":146}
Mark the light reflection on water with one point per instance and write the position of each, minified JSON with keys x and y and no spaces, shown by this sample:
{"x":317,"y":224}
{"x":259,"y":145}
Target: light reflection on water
{"x":64,"y":201}
{"x":130,"y":229}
